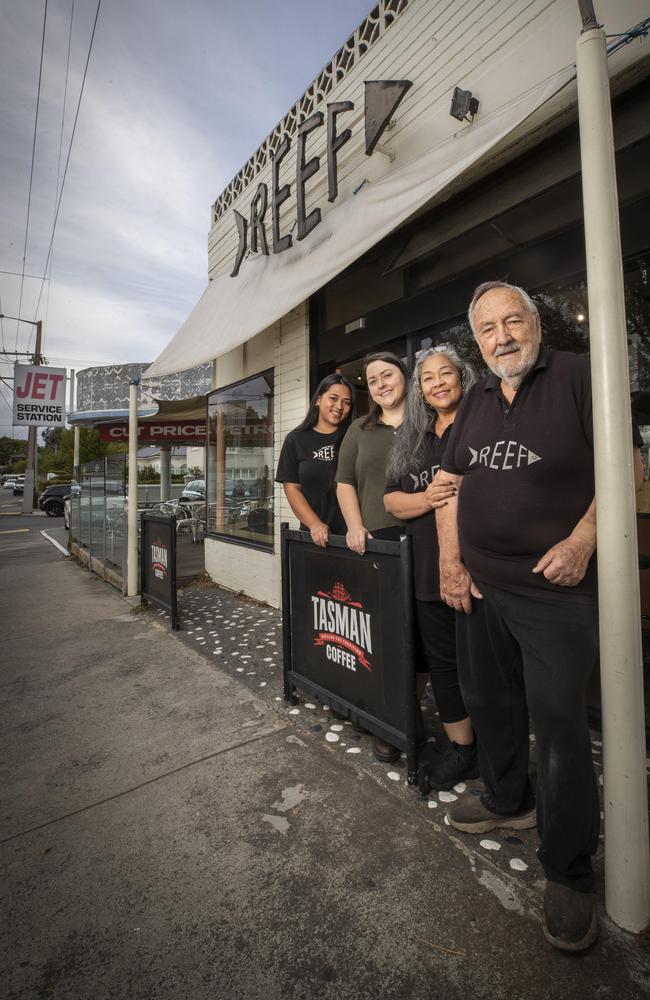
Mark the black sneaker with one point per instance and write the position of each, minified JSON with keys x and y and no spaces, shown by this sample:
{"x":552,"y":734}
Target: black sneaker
{"x":459,"y":763}
{"x":569,"y":918}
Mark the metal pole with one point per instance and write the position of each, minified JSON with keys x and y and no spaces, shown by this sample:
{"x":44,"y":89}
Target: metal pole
{"x":627,"y":869}
{"x":75,"y":453}
{"x":132,"y":517}
{"x":165,"y":471}
{"x":72,"y":404}
{"x":587,"y":14}
{"x":31,"y":473}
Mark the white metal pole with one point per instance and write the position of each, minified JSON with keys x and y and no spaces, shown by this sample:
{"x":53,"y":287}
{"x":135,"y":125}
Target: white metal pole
{"x":165,"y":471}
{"x":72,"y":404}
{"x":132,"y":521}
{"x":627,"y":868}
{"x":75,"y":453}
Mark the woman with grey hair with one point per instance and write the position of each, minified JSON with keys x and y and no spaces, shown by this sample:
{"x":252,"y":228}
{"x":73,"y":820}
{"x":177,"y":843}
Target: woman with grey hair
{"x":413,"y":494}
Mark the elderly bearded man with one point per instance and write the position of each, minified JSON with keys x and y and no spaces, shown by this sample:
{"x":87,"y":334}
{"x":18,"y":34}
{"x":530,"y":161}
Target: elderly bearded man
{"x":521,"y":541}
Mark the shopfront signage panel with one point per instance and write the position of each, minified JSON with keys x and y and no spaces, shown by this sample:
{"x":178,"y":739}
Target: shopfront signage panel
{"x":158,"y":562}
{"x":381,"y":100}
{"x":39,"y":396}
{"x":347,"y":632}
{"x":167,"y":432}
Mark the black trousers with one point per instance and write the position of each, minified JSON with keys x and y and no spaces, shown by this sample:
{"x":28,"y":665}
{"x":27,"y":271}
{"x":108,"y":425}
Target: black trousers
{"x":517,"y":654}
{"x":436,"y":623}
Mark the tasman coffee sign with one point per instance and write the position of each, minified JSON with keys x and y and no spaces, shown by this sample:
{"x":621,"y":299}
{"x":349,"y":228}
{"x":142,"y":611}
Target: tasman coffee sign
{"x":338,"y":633}
{"x":159,"y":559}
{"x":381,"y":100}
{"x":158,"y":562}
{"x":347,"y":632}
{"x":342,"y":628}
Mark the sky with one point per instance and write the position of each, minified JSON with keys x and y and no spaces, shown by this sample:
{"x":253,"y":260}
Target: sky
{"x":176,"y":98}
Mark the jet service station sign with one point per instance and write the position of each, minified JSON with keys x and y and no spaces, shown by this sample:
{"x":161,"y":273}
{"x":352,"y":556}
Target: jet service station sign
{"x":39,"y":396}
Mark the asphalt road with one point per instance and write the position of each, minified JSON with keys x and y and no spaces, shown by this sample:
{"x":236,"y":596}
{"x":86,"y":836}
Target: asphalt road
{"x":22,"y":532}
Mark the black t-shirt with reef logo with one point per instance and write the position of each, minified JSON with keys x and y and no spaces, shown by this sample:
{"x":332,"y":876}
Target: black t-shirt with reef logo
{"x":528,"y":474}
{"x":423,"y":529}
{"x":309,"y":459}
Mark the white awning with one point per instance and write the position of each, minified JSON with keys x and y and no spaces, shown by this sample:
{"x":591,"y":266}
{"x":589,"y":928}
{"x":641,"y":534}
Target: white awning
{"x":232,"y":310}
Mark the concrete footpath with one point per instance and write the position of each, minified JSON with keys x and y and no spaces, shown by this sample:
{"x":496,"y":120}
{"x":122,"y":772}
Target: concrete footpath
{"x":167,"y":833}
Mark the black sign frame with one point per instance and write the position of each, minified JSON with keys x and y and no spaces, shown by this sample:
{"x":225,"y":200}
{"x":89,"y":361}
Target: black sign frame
{"x":158,"y":582}
{"x":389,"y":713}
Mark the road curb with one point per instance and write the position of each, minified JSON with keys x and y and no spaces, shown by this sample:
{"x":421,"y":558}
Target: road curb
{"x":57,"y":545}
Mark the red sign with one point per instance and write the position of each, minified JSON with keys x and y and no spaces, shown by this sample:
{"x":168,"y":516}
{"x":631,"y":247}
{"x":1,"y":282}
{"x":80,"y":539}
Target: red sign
{"x":39,"y":395}
{"x":165,"y":432}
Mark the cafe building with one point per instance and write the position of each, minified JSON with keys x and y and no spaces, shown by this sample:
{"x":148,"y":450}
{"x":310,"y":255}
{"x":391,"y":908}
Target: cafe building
{"x":438,"y":149}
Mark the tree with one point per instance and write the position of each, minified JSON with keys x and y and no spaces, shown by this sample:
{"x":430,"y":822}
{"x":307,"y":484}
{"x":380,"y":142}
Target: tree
{"x":52,"y":437}
{"x":11,"y":450}
{"x":90,"y":449}
{"x":148,"y":475}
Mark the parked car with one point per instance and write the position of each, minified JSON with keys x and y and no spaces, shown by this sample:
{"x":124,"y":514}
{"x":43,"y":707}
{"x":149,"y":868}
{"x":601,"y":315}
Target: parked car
{"x":9,"y":484}
{"x":19,"y":489}
{"x":52,"y":498}
{"x":193,"y":491}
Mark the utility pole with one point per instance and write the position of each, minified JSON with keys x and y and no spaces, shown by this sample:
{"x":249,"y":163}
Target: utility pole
{"x":132,"y":501}
{"x":625,"y":802}
{"x":31,"y":474}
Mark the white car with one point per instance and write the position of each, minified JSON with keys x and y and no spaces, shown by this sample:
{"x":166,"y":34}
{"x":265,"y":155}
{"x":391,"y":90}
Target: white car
{"x":193,"y":491}
{"x":9,"y":484}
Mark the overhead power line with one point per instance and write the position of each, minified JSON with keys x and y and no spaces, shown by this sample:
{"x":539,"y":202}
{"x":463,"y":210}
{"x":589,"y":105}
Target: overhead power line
{"x":19,"y":274}
{"x":58,"y":166}
{"x":31,"y":170}
{"x":67,"y":162}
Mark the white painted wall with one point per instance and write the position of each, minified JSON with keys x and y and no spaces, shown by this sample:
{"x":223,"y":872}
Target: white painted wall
{"x":195,"y":458}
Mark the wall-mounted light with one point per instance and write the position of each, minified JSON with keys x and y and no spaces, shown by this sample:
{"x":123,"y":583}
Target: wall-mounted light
{"x":463,"y":105}
{"x":356,"y":324}
{"x":580,"y":318}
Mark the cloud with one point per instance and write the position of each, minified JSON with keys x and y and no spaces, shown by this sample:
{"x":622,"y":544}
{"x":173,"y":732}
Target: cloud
{"x":176,"y":99}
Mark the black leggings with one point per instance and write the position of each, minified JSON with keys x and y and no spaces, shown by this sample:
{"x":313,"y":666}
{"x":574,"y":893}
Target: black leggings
{"x":436,"y":624}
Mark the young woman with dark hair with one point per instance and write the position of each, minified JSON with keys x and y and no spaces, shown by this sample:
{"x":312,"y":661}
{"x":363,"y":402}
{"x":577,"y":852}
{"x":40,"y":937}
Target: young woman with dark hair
{"x":309,"y":457}
{"x":413,"y":494}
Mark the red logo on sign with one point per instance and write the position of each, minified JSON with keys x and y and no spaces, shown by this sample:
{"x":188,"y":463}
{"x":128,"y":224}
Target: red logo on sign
{"x":342,"y":627}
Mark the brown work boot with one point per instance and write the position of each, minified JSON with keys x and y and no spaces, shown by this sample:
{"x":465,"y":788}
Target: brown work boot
{"x":570,"y":922}
{"x":470,"y":815}
{"x":384,"y":752}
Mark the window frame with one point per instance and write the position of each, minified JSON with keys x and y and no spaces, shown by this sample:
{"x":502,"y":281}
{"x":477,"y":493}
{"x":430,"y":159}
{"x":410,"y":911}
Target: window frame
{"x":268,"y":547}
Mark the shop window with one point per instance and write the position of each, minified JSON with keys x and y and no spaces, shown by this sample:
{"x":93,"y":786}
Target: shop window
{"x":240,"y":461}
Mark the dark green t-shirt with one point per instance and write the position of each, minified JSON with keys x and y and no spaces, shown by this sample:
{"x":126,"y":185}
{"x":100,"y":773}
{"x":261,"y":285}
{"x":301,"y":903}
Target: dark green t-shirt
{"x":362,"y":464}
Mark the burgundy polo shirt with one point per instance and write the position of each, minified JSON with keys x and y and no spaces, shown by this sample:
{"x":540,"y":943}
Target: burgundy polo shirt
{"x":528,"y":473}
